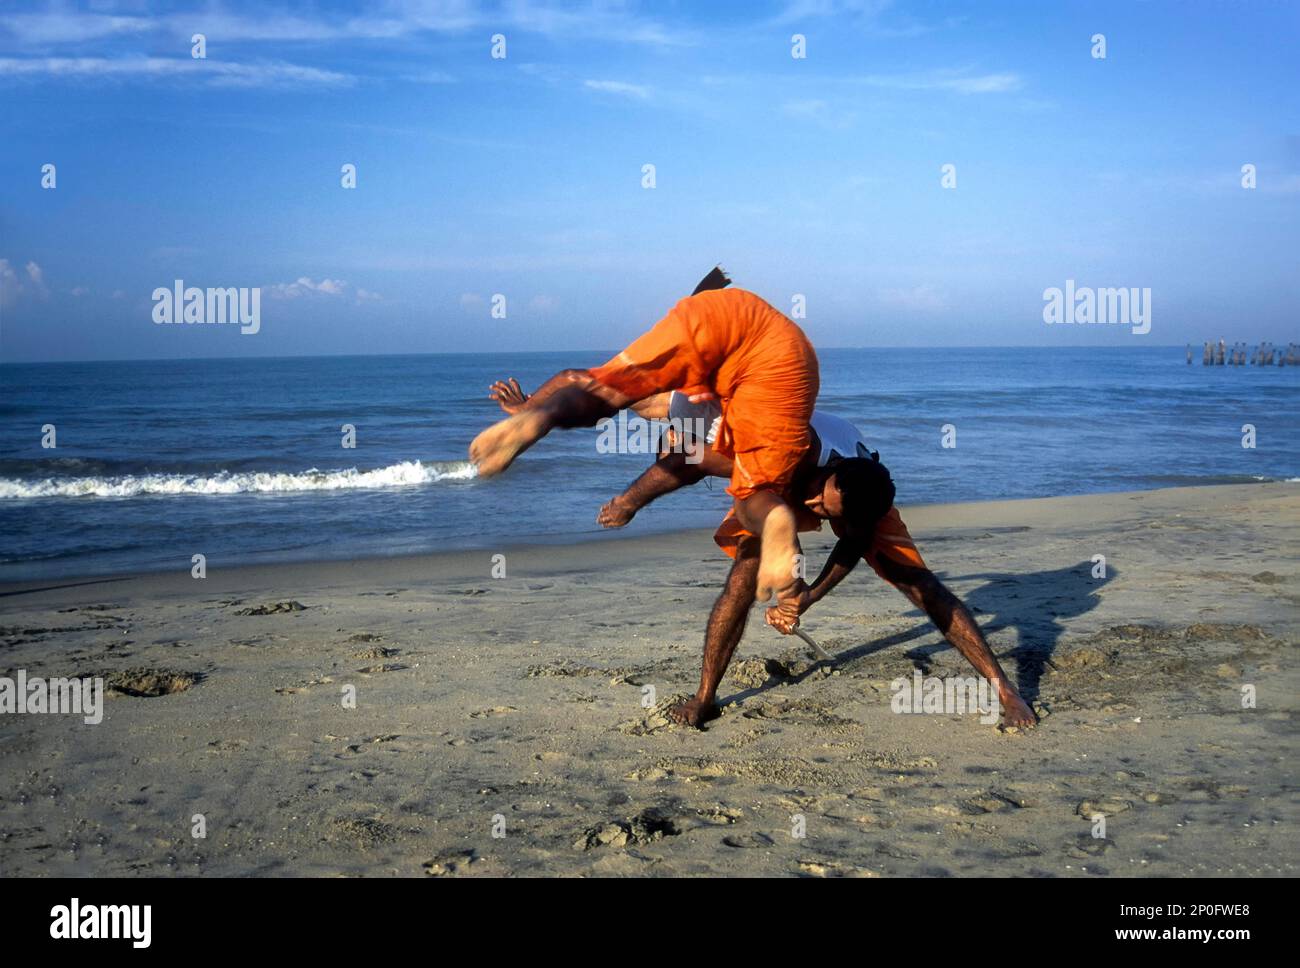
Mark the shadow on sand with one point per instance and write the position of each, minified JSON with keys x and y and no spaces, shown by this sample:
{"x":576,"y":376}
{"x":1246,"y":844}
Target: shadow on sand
{"x":1034,"y":604}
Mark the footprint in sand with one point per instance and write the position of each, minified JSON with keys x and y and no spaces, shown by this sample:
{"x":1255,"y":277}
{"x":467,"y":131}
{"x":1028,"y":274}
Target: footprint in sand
{"x":817,"y":868}
{"x":293,"y":690}
{"x":273,"y":608}
{"x":1107,"y":807}
{"x":375,"y":652}
{"x":719,"y":815}
{"x":382,"y":667}
{"x":748,"y":841}
{"x":454,"y":861}
{"x":645,"y":828}
{"x":494,"y":711}
{"x":147,"y":683}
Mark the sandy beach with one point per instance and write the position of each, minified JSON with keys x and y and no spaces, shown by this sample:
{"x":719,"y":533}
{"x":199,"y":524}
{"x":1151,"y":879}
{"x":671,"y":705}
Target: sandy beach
{"x":499,"y":729}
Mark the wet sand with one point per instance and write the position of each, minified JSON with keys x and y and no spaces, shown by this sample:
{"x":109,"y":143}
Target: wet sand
{"x":499,"y":726}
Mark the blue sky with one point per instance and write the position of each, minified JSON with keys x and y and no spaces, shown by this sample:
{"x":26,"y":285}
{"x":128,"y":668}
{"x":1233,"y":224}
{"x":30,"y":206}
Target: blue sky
{"x":523,"y":175}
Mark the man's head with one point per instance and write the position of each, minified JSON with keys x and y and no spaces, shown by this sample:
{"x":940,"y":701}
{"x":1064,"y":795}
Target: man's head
{"x":858,"y":490}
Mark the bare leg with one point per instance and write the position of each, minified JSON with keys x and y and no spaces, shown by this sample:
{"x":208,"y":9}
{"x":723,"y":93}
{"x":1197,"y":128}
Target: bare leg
{"x":951,"y":617}
{"x":575,"y":401}
{"x":725,"y":628}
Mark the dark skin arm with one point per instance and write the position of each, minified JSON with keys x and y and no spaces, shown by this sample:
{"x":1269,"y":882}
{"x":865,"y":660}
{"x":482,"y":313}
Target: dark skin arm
{"x":669,"y":473}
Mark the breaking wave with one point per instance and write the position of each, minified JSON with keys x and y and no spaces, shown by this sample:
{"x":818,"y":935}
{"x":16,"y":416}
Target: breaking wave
{"x":404,"y":474}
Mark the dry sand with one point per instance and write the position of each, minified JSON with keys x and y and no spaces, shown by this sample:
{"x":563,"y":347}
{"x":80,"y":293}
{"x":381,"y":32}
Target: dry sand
{"x":513,"y":706}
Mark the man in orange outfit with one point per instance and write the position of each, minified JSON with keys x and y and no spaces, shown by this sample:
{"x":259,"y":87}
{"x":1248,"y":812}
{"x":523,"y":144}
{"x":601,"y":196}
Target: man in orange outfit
{"x":840,"y":481}
{"x":723,"y":343}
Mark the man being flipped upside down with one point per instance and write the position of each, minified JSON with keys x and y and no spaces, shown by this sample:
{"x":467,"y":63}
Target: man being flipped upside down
{"x":724,"y":343}
{"x":838,"y":479}
{"x":841,"y":482}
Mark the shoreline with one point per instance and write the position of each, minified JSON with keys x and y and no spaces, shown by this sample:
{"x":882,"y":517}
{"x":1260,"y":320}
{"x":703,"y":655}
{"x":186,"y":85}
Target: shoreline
{"x":514,"y":727}
{"x":911,"y":513}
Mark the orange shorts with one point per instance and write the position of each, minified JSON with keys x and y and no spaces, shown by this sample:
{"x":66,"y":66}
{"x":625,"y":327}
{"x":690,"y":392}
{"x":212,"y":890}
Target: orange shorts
{"x":891,"y":540}
{"x":757,"y":362}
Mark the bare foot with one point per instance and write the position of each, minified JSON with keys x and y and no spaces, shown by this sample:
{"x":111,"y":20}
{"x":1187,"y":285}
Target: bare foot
{"x":509,"y":394}
{"x":1015,"y":712}
{"x":496,"y":448}
{"x":694,"y":712}
{"x":777,"y":567}
{"x":615,"y":513}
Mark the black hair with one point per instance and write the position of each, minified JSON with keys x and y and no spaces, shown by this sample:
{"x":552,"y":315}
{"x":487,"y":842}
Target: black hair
{"x":716,"y":279}
{"x":867,"y":488}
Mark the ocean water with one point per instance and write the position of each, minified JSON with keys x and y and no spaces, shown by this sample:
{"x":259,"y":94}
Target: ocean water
{"x":242,"y":460}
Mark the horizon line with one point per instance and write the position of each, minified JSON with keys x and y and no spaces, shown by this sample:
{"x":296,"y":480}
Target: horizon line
{"x":324,"y":356}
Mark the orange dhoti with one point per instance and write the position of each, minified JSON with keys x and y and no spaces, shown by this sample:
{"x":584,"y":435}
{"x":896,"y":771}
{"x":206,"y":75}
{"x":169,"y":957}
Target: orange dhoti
{"x":891,"y":539}
{"x":758,"y":363}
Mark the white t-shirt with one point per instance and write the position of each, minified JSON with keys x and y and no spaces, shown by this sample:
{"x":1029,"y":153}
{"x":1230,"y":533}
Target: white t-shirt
{"x":838,"y":437}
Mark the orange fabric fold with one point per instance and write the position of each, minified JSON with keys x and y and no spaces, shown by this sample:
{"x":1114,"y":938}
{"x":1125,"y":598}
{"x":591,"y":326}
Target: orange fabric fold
{"x":759,"y":364}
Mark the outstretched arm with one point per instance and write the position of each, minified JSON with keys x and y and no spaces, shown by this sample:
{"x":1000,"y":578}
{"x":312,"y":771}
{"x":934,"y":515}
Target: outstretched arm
{"x":512,"y":398}
{"x":669,"y":473}
{"x":951,"y":617}
{"x":843,"y":559}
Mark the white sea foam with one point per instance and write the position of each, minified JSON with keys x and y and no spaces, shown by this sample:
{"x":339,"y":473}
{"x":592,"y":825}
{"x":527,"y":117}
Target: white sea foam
{"x":405,"y":474}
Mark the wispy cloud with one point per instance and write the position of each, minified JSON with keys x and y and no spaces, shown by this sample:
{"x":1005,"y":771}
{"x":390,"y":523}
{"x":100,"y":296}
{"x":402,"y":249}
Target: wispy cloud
{"x":956,"y":81}
{"x":12,"y":287}
{"x":391,"y":20}
{"x":429,"y":77}
{"x":877,"y":17}
{"x":303,"y":287}
{"x":213,"y":72}
{"x":619,"y":87}
{"x":60,"y":27}
{"x":952,"y":80}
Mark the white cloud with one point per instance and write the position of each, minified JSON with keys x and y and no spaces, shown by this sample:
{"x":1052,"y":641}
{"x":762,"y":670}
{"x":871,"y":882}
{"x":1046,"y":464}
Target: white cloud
{"x":10,"y":287}
{"x":394,"y":20}
{"x":542,"y":303}
{"x":874,"y":17}
{"x":303,"y":287}
{"x":56,"y":27}
{"x":79,"y":291}
{"x":619,"y":87}
{"x":213,"y":72}
{"x":956,"y":81}
{"x":430,"y":77}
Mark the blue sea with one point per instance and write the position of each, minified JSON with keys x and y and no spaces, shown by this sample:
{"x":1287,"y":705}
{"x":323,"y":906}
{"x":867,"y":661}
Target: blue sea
{"x":242,"y":460}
